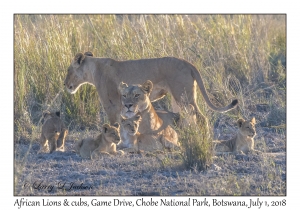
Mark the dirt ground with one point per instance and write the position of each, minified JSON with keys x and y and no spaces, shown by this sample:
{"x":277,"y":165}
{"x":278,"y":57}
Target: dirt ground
{"x":66,"y":173}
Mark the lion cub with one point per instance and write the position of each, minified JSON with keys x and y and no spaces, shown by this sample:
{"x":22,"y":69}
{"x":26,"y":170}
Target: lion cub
{"x":53,"y":134}
{"x":105,"y":143}
{"x":243,"y":141}
{"x":137,"y":141}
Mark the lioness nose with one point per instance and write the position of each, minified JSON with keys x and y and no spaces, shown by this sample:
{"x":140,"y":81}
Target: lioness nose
{"x":128,"y":105}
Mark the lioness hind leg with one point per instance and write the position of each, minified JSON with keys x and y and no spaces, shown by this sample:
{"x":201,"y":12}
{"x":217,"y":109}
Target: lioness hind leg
{"x":61,"y":140}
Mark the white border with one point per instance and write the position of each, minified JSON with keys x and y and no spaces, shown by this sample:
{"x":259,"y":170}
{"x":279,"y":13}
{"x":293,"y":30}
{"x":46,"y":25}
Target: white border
{"x":153,"y":6}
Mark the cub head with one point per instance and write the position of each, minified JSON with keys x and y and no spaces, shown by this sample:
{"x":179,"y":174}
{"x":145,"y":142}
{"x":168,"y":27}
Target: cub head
{"x":112,"y":133}
{"x":131,"y":125}
{"x":76,"y":72}
{"x":47,"y":115}
{"x":247,"y":127}
{"x":135,"y":98}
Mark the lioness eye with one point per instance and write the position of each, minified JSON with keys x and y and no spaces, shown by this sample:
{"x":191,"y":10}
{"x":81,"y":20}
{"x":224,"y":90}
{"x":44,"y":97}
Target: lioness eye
{"x":137,"y":95}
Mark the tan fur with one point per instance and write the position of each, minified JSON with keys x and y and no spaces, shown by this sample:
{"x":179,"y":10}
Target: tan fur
{"x":154,"y":131}
{"x":53,"y":133}
{"x":105,"y":143}
{"x":243,"y":141}
{"x":168,"y":75}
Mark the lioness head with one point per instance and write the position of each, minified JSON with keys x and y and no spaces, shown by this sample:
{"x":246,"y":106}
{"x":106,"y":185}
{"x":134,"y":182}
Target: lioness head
{"x":247,"y":127}
{"x":131,"y":125}
{"x":134,"y":98}
{"x":112,"y":133}
{"x":76,"y":72}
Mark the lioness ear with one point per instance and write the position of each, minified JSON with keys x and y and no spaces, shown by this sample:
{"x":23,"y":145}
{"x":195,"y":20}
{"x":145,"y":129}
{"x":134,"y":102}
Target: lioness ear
{"x":57,"y":114}
{"x":147,"y":86}
{"x":116,"y":125}
{"x":79,"y":57}
{"x":88,"y":53}
{"x":105,"y":128}
{"x":253,"y":120}
{"x":240,"y":122}
{"x":138,"y":118}
{"x":122,"y":86}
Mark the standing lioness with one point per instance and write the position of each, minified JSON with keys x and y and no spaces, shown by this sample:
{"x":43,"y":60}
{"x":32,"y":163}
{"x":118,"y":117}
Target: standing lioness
{"x":168,"y":74}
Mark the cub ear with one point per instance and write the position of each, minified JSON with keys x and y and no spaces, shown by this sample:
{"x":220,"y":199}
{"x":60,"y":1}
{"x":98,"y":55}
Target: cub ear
{"x":57,"y":114}
{"x":88,"y":53}
{"x":105,"y":127}
{"x":137,"y":118}
{"x":122,"y":86}
{"x":116,"y":125}
{"x":240,"y":122}
{"x":253,"y":120}
{"x":147,"y":86}
{"x":79,"y":57}
{"x":45,"y":114}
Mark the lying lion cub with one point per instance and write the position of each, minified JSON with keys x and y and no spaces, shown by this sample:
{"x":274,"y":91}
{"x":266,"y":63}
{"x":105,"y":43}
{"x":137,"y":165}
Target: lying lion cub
{"x":243,"y":141}
{"x":154,"y":129}
{"x":105,"y":143}
{"x":53,"y":134}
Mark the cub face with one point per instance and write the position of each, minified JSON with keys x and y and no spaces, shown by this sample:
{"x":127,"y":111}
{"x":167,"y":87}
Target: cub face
{"x":134,"y":98}
{"x":131,"y":125}
{"x":112,"y":133}
{"x":74,"y":78}
{"x":247,"y":127}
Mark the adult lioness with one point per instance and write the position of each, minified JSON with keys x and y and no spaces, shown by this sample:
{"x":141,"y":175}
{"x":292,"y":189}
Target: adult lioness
{"x":168,"y":74}
{"x":243,"y":141}
{"x":105,"y":143}
{"x":53,"y":133}
{"x":135,"y":101}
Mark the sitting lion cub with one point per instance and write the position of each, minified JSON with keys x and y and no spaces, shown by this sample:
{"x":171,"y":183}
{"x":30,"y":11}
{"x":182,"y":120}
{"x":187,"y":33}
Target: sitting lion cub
{"x":105,"y":143}
{"x":53,"y":134}
{"x":140,"y":142}
{"x":243,"y":141}
{"x":155,"y":132}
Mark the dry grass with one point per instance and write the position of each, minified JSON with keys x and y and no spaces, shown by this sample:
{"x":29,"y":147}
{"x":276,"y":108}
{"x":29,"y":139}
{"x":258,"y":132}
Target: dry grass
{"x":238,"y":56}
